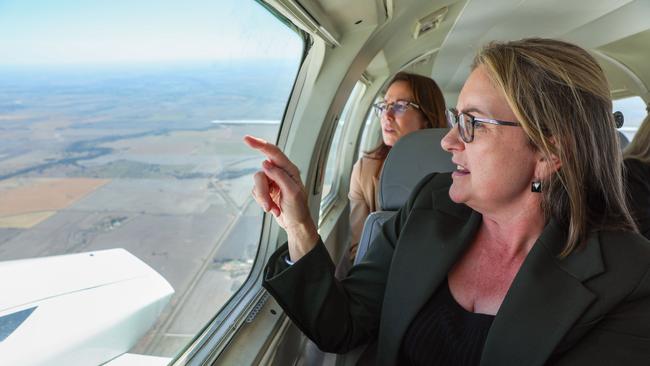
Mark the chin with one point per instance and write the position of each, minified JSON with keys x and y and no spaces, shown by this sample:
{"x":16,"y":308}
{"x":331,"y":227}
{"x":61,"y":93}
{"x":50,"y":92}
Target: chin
{"x":389,"y":142}
{"x":456,"y":195}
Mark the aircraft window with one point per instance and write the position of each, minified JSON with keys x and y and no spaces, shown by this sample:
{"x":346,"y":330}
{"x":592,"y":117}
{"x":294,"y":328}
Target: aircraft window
{"x":634,"y":111}
{"x":121,"y":127}
{"x":330,"y":181}
{"x":371,"y":135}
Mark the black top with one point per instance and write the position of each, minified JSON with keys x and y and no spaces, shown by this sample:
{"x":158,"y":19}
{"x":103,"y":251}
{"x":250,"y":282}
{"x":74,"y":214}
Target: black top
{"x":637,"y":184}
{"x":444,"y":333}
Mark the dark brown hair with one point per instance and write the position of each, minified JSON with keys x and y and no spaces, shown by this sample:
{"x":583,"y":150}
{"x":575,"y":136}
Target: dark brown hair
{"x":428,"y":96}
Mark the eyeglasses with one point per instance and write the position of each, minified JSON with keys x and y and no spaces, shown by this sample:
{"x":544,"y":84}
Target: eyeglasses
{"x":398,"y":107}
{"x":466,"y":123}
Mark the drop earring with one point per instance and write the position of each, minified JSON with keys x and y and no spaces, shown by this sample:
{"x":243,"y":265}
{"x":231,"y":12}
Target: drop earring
{"x":536,"y":186}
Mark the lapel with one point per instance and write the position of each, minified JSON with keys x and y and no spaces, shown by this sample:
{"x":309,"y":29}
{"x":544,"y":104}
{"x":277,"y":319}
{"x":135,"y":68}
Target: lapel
{"x":544,"y":301}
{"x":430,"y":243}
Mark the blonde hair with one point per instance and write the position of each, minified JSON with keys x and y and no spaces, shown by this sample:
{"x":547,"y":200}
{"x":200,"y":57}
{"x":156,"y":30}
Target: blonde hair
{"x":561,"y":97}
{"x":639,"y":148}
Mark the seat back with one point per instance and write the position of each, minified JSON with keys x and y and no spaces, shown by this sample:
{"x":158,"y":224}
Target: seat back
{"x":412,"y":158}
{"x":371,"y":228}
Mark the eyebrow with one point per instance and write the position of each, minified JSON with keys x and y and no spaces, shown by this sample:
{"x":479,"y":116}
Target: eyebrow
{"x":474,"y":110}
{"x":398,"y":100}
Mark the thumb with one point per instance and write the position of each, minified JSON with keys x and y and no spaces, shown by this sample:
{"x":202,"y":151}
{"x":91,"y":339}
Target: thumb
{"x":286,"y":184}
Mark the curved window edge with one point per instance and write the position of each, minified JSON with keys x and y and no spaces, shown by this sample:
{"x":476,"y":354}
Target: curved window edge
{"x":212,"y":339}
{"x":341,"y":138}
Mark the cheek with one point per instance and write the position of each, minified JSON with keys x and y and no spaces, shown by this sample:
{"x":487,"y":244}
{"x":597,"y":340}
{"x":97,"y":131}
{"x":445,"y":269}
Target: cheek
{"x":409,"y":124}
{"x":505,"y":174}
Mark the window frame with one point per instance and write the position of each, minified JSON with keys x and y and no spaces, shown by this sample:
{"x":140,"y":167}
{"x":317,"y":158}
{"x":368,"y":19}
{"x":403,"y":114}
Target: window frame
{"x":349,"y":112}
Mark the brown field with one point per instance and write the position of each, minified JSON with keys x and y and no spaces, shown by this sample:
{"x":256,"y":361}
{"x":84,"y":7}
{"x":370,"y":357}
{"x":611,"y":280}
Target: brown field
{"x":25,"y":221}
{"x":27,"y":202}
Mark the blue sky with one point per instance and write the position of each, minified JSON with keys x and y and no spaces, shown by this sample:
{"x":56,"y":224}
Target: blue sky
{"x":100,"y":31}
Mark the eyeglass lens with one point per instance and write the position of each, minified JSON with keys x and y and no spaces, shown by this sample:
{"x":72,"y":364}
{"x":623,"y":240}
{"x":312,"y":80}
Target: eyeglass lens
{"x":398,"y":108}
{"x":465,"y":125}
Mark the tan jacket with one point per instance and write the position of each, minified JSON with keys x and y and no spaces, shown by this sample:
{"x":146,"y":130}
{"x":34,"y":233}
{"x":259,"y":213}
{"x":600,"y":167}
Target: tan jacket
{"x":364,"y":187}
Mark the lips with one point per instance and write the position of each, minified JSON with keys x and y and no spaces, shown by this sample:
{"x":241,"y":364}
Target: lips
{"x":460,"y":170}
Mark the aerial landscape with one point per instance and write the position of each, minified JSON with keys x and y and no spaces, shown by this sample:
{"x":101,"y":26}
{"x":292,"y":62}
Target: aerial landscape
{"x":146,"y":157}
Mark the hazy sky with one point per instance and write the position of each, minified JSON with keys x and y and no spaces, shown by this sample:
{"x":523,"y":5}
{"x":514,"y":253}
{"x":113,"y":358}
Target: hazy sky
{"x":92,"y":31}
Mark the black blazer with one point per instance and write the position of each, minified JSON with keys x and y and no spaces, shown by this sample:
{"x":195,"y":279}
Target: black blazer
{"x":637,"y":184}
{"x":592,"y":307}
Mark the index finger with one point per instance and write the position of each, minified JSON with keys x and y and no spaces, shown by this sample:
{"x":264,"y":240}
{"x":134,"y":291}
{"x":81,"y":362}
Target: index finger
{"x":272,"y":152}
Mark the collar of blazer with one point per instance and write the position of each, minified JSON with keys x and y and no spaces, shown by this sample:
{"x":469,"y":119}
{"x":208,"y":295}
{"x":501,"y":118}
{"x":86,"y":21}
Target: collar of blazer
{"x":545,"y":299}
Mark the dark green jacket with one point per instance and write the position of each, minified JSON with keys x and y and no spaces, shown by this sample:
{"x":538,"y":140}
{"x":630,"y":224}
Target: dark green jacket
{"x":591,"y":308}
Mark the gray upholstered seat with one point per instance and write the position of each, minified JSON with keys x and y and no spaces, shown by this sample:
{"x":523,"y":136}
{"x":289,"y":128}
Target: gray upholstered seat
{"x":371,"y":227}
{"x":411,"y":159}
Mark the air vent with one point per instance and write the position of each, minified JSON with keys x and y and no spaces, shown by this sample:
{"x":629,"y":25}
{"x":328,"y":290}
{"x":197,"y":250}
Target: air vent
{"x":429,"y":22}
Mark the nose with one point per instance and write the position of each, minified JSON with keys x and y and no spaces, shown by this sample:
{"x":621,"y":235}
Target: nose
{"x":388,"y":114}
{"x":452,"y":141}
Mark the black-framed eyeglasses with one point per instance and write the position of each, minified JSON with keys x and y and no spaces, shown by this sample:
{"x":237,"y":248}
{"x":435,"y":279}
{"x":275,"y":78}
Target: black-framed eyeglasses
{"x":466,"y":123}
{"x":398,"y":107}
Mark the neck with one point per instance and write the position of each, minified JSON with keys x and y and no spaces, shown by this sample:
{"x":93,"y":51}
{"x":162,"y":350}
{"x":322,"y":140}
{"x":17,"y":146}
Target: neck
{"x":514,"y":231}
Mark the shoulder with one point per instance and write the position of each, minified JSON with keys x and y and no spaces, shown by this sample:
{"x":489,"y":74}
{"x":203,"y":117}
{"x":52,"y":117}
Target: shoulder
{"x":623,"y":288}
{"x":365,"y":169}
{"x":368,"y":165}
{"x":626,"y":248}
{"x":626,"y":256}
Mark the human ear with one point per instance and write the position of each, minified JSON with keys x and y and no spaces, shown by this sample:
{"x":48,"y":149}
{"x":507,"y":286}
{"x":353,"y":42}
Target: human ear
{"x":546,"y":165}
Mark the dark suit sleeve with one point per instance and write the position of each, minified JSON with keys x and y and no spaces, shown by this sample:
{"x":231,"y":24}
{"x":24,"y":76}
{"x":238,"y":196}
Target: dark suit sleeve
{"x":622,"y":337}
{"x":337,"y":315}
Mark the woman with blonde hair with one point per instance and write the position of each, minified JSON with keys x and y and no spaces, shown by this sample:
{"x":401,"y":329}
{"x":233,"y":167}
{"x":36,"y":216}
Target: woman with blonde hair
{"x":524,"y":255}
{"x":637,"y":173}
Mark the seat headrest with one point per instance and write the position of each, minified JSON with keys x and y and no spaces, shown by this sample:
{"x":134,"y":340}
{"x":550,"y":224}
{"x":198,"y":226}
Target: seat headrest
{"x":411,"y":159}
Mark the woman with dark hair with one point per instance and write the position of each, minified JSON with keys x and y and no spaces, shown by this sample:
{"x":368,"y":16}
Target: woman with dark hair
{"x":637,"y":173}
{"x":525,"y":255}
{"x":411,"y":102}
